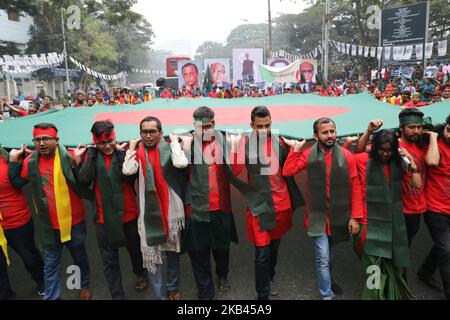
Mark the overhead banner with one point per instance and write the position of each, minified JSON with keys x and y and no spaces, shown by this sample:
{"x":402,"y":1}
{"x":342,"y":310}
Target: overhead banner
{"x":220,"y":72}
{"x":246,"y":64}
{"x":299,"y":70}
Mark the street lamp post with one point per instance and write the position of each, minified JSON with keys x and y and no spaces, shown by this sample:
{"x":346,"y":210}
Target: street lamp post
{"x":270,"y":29}
{"x":65,"y":51}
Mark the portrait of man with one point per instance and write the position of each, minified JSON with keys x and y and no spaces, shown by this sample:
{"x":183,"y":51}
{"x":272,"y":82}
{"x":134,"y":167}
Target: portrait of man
{"x":218,"y":72}
{"x":248,"y":72}
{"x":190,"y":76}
{"x":307,"y":72}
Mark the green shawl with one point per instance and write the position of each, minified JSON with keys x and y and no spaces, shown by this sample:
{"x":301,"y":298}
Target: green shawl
{"x":386,"y":229}
{"x":110,"y":184}
{"x":339,"y":194}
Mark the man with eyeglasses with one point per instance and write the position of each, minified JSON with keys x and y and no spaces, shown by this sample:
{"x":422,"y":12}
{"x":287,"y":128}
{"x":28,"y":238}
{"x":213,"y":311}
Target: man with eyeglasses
{"x":57,"y":198}
{"x":218,"y":74}
{"x":307,"y":75}
{"x":163,"y":194}
{"x":117,"y":210}
{"x":272,"y":198}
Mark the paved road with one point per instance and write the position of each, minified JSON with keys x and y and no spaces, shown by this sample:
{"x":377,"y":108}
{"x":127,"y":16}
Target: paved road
{"x":296,"y":274}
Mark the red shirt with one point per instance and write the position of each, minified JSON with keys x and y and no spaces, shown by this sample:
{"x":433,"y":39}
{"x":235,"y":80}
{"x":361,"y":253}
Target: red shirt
{"x":219,"y":184}
{"x":437,"y":188}
{"x":23,"y":113}
{"x":298,"y":161}
{"x":414,"y":201}
{"x":14,"y":210}
{"x":161,"y":186}
{"x":166,"y":95}
{"x":130,"y":208}
{"x":412,"y":105}
{"x":280,"y":197}
{"x":361,"y":162}
{"x":46,"y":172}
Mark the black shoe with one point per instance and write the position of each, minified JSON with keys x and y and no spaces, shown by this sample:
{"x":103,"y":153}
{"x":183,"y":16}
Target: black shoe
{"x":223,"y":285}
{"x":430,"y":281}
{"x":337,"y":290}
{"x":274,"y":291}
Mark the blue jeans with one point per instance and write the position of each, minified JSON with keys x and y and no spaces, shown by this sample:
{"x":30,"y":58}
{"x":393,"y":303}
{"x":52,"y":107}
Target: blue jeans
{"x":324,"y":253}
{"x":52,"y":261}
{"x":173,"y":276}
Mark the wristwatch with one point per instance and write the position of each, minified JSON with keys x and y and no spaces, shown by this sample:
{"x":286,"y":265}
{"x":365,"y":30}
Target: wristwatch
{"x":415,"y":170}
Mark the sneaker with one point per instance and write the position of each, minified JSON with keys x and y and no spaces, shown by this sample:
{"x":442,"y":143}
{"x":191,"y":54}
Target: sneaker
{"x":86,"y":294}
{"x":224,"y":286}
{"x":174,"y":295}
{"x":274,"y":291}
{"x":430,"y":281}
{"x":337,"y":290}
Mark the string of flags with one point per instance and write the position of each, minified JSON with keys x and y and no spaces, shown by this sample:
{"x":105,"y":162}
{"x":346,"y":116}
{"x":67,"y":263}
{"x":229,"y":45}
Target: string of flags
{"x":29,"y":63}
{"x":396,"y":53}
{"x":147,"y":71}
{"x":293,"y":57}
{"x":96,"y":74}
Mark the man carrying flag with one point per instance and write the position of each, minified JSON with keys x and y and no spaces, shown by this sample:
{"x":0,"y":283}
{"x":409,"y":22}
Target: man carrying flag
{"x":17,"y":224}
{"x":117,"y":211}
{"x":163,"y":193}
{"x":56,"y":197}
{"x":272,"y":198}
{"x":331,"y":175}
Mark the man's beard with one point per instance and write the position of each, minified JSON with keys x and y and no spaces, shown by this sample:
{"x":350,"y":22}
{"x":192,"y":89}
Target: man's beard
{"x":326,"y":146}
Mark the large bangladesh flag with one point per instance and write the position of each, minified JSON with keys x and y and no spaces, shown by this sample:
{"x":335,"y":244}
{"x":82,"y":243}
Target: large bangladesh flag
{"x":292,"y":114}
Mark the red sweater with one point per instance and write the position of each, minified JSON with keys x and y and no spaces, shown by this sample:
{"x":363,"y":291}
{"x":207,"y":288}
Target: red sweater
{"x":13,"y":203}
{"x":46,"y":172}
{"x":298,"y":161}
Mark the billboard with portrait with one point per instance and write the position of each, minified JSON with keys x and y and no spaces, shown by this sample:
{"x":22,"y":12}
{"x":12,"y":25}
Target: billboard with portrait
{"x":220,"y":71}
{"x":190,"y":74}
{"x":299,"y":70}
{"x":246,"y":64}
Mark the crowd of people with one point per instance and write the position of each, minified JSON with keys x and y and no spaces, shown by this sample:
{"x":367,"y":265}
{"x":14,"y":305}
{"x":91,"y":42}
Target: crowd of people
{"x":406,"y":86}
{"x":160,"y":198}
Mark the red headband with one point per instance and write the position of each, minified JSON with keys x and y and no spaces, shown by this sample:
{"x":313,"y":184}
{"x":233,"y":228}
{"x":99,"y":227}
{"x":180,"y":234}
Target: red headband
{"x":104,"y":137}
{"x":50,"y":132}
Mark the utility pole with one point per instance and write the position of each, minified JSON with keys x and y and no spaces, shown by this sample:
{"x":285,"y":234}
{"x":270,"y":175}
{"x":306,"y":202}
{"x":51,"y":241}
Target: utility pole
{"x":270,"y":29}
{"x":326,"y":38}
{"x":65,"y":51}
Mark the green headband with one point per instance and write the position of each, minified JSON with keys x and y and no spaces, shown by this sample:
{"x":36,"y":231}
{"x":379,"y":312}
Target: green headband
{"x":204,"y":120}
{"x":413,"y":119}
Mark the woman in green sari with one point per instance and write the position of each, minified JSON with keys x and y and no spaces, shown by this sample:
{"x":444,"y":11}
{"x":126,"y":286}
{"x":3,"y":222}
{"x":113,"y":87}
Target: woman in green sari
{"x":383,"y":243}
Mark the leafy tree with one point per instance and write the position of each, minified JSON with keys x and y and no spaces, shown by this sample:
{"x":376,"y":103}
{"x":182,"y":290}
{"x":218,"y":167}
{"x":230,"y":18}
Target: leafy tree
{"x":210,"y":50}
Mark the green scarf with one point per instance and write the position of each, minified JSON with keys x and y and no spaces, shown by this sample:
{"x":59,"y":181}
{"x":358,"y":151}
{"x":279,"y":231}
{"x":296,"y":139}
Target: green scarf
{"x":112,"y":197}
{"x":4,"y":154}
{"x":176,"y":179}
{"x":259,"y":194}
{"x":386,"y":229}
{"x":339,"y":194}
{"x":46,"y":234}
